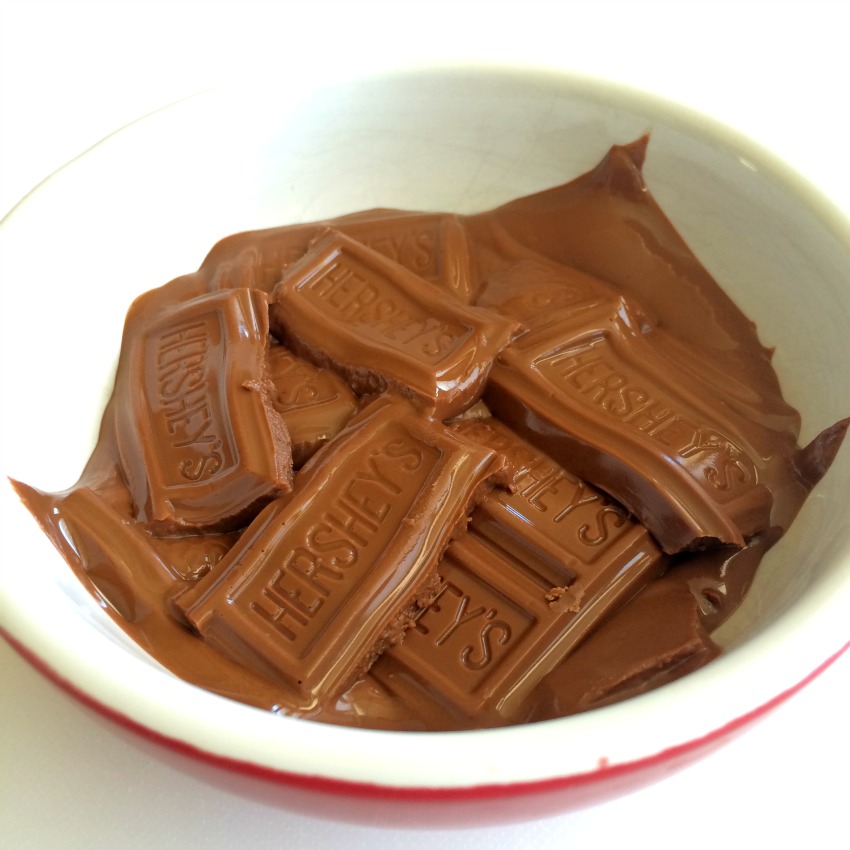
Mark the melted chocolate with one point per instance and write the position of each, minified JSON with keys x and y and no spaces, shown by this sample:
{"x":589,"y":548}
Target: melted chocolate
{"x":198,"y":438}
{"x":314,"y":403}
{"x":578,"y":459}
{"x":594,"y":391}
{"x":542,"y":563}
{"x":320,"y":584}
{"x":373,"y":321}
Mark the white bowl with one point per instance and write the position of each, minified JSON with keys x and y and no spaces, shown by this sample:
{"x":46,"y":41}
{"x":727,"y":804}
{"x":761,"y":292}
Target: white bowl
{"x":147,"y":203}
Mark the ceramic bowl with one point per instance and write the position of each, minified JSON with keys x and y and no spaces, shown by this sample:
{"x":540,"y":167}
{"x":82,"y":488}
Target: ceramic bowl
{"x":147,"y":203}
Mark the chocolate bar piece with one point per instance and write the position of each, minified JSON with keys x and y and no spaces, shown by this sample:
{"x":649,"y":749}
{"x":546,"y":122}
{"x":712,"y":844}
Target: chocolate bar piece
{"x":200,"y":443}
{"x":544,"y":560}
{"x":554,"y":522}
{"x":382,"y":327}
{"x":315,"y":404}
{"x":593,"y":393}
{"x":657,"y":638}
{"x":431,"y":245}
{"x":321,"y":582}
{"x":495,"y":629}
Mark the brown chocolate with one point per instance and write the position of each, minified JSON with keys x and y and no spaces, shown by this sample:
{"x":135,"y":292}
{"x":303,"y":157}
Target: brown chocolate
{"x":538,"y":570}
{"x":557,"y":525}
{"x":656,"y":639}
{"x":111,"y":555}
{"x":198,"y":439}
{"x":319,"y":584}
{"x":494,"y":630}
{"x":432,"y":246}
{"x":592,"y":391}
{"x":606,"y":223}
{"x":381,"y":327}
{"x":315,"y":404}
{"x":537,"y":292}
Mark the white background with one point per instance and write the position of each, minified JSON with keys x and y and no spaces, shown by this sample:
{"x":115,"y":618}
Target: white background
{"x":72,"y":72}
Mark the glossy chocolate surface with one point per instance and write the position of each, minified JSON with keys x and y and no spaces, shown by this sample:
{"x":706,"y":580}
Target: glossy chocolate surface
{"x":541,"y":456}
{"x":198,"y":438}
{"x":314,"y":403}
{"x":434,"y":246}
{"x":595,"y":392}
{"x":347,"y":306}
{"x":319,"y":585}
{"x":542,"y":563}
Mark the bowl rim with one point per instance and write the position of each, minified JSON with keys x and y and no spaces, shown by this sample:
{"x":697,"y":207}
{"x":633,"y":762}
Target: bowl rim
{"x":604,"y":771}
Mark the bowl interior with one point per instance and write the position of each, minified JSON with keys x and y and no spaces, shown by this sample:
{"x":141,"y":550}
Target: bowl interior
{"x":145,"y":206}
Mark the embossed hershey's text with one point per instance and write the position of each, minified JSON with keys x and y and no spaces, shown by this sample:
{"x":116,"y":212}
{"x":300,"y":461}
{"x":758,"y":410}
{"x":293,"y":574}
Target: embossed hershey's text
{"x":183,"y":397}
{"x":596,"y":382}
{"x":351,"y":293}
{"x":469,"y":627}
{"x":328,"y":549}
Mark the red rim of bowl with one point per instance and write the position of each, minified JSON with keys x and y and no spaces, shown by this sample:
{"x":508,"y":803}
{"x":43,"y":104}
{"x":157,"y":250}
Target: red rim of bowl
{"x":692,"y":748}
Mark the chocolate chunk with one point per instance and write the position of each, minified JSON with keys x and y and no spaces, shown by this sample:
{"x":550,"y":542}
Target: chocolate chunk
{"x":200,"y":444}
{"x":315,"y":404}
{"x":321,"y":582}
{"x":596,"y":395}
{"x":656,"y":639}
{"x":543,"y":563}
{"x":381,"y":327}
{"x":495,"y":629}
{"x":555,"y":523}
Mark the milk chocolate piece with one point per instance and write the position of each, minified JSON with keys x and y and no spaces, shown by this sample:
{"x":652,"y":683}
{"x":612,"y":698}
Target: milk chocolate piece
{"x":552,"y":521}
{"x":545,"y":560}
{"x":199,"y":441}
{"x":594,"y":394}
{"x":655,"y":639}
{"x":315,"y":404}
{"x":431,"y":245}
{"x":607,"y":223}
{"x":495,"y":629}
{"x":321,"y":582}
{"x":381,"y":327}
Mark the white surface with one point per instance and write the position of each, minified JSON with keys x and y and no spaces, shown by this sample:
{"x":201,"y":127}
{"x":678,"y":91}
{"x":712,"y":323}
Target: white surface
{"x":73,"y":72}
